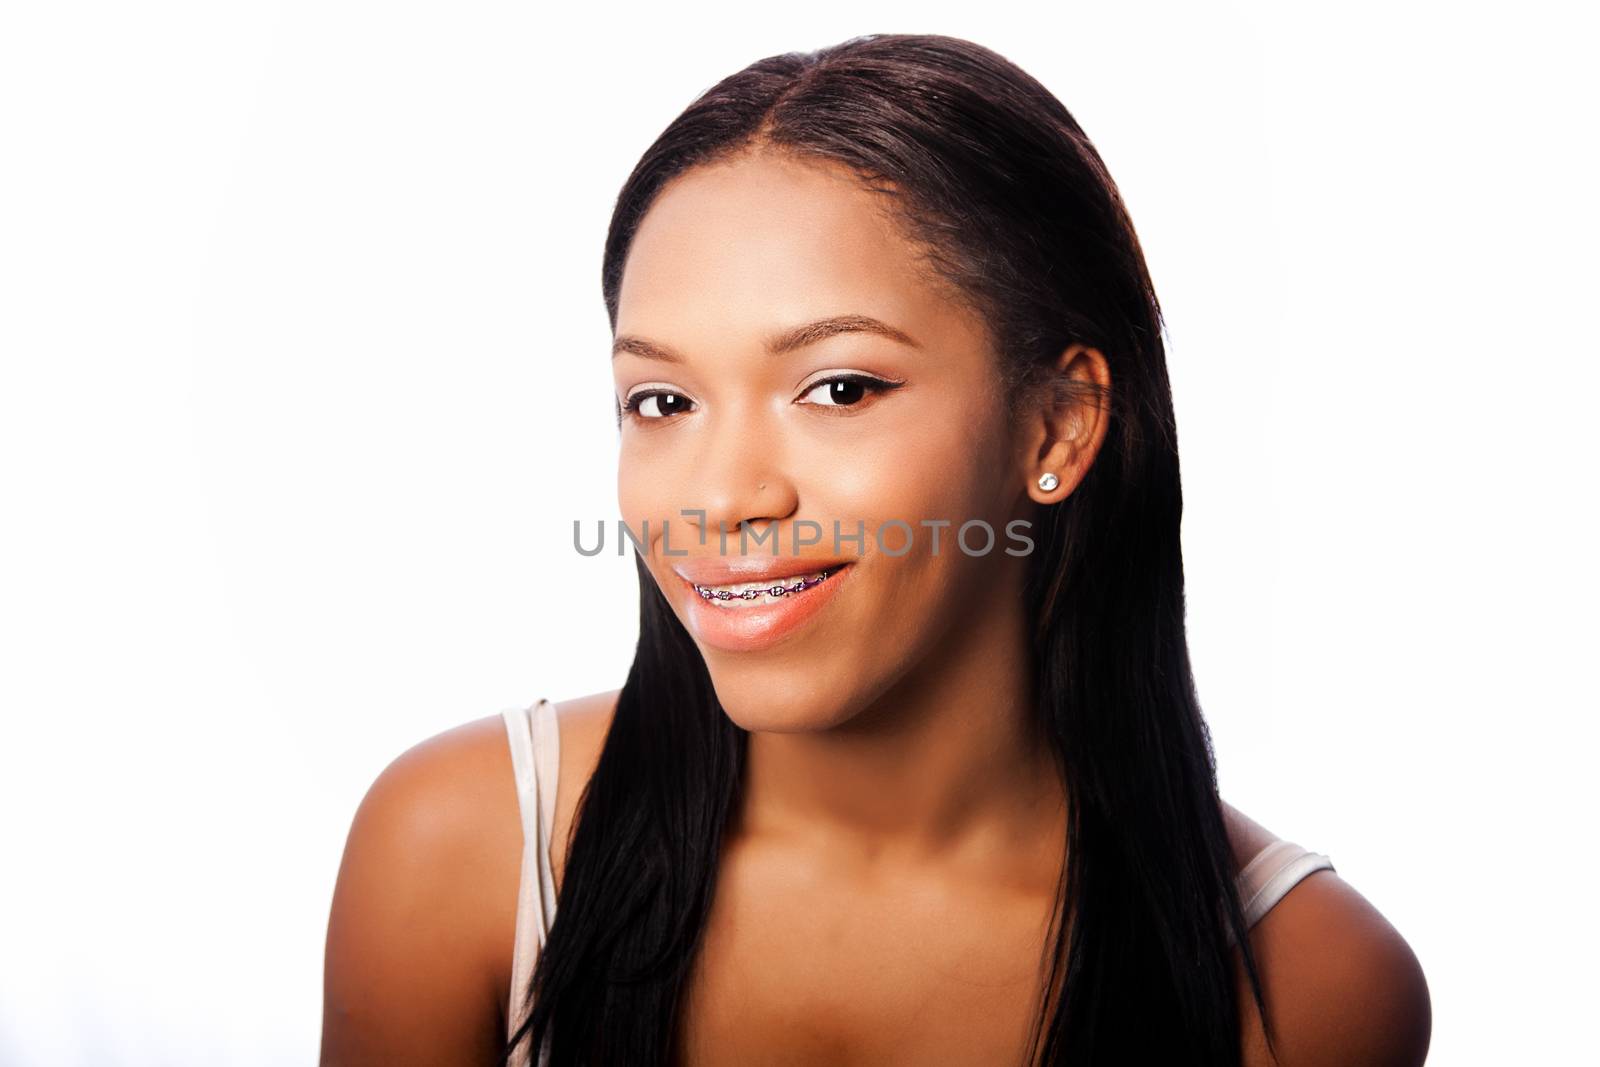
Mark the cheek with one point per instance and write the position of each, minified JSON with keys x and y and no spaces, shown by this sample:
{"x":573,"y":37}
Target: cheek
{"x":940,"y":470}
{"x":633,"y":490}
{"x":937,"y":454}
{"x":645,"y":485}
{"x":940,"y":477}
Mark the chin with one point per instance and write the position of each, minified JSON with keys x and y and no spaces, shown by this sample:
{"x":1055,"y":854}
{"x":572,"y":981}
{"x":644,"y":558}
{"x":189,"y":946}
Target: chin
{"x":768,"y":700}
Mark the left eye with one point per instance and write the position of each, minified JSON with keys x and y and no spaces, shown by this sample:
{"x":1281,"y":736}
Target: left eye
{"x":847,"y":390}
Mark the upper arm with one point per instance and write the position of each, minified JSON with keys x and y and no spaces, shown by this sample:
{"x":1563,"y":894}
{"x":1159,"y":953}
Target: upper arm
{"x":424,"y":907}
{"x":1342,"y":986}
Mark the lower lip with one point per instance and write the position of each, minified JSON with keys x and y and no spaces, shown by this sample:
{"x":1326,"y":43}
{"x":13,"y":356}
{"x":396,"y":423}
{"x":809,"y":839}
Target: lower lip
{"x":751,"y":629}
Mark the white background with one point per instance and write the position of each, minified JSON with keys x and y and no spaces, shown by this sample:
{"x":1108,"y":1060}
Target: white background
{"x":305,"y":380}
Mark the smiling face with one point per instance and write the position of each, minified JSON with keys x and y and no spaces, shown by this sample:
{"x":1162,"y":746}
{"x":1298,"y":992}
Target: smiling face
{"x":736,"y":405}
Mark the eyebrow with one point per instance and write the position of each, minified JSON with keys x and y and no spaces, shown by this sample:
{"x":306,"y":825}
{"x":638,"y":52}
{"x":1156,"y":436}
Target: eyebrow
{"x":777,"y":344}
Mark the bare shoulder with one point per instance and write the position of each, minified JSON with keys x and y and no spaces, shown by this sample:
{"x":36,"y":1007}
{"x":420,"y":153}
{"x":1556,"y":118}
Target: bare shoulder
{"x":1341,"y":984}
{"x":583,"y":723}
{"x":1247,"y":836}
{"x":424,"y":907}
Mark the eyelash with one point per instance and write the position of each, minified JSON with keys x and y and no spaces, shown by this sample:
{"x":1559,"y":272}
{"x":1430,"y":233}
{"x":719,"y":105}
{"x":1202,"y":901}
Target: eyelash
{"x":874,"y":386}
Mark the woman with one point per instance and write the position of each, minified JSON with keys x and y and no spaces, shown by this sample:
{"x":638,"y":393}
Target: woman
{"x":903,"y":799}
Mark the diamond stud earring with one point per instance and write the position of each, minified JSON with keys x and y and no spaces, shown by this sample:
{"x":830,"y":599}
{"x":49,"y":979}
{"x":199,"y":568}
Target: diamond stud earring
{"x":1048,"y":481}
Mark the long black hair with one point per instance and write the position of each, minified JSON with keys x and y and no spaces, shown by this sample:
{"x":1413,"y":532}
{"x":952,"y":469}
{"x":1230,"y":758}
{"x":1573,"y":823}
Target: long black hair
{"x":996,"y":181}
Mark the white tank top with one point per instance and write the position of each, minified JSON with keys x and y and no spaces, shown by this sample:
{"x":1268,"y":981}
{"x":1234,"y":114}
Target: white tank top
{"x":536,"y":757}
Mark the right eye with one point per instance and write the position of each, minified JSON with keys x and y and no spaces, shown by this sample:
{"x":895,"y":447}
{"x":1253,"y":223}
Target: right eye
{"x":654,"y":404}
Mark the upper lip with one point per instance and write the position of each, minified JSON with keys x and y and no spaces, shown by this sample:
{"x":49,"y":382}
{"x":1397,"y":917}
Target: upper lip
{"x":731,"y":570}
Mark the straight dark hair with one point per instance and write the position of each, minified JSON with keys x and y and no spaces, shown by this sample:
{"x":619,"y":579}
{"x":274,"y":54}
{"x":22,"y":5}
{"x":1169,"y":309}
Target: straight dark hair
{"x":996,"y":182}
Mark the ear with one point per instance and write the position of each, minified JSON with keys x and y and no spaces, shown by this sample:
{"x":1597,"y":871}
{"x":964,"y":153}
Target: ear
{"x":1064,"y":422}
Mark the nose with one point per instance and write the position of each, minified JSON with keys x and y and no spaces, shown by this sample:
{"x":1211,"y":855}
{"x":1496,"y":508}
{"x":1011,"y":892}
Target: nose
{"x":740,"y":479}
{"x":726,"y":509}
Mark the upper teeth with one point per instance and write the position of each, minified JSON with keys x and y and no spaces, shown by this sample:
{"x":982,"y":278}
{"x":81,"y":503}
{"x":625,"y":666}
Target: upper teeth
{"x":790,"y":584}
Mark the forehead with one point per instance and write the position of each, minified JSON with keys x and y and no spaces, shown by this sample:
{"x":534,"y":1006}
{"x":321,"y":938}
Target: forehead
{"x":765,"y":240}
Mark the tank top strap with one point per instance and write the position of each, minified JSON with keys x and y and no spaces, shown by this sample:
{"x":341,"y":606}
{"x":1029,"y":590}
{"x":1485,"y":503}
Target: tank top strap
{"x":535,"y":760}
{"x":1272,"y":872}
